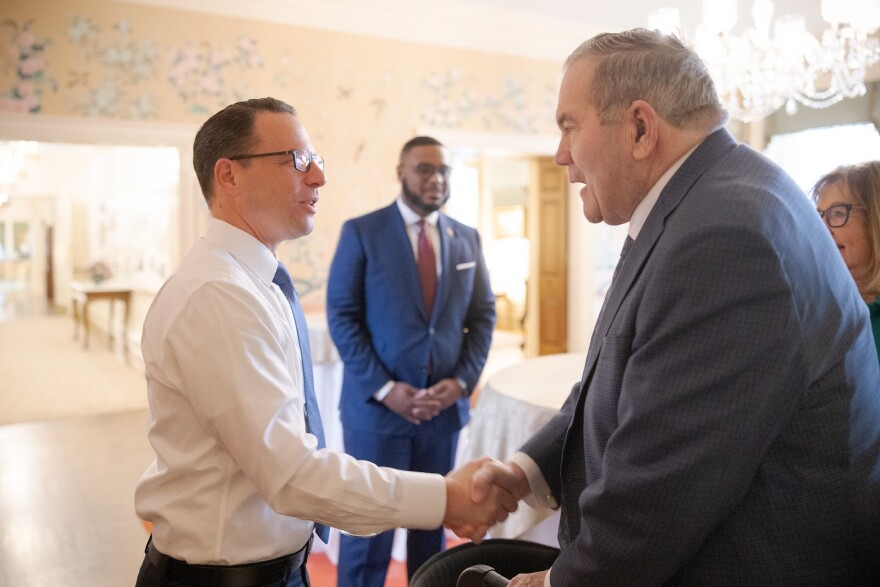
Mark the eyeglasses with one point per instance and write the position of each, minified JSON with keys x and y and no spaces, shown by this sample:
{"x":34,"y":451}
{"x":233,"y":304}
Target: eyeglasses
{"x":302,"y":160}
{"x":837,"y":215}
{"x":426,"y":170}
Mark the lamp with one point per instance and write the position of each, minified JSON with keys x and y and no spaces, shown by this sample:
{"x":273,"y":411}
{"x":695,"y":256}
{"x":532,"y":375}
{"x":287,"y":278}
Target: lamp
{"x":757,"y":72}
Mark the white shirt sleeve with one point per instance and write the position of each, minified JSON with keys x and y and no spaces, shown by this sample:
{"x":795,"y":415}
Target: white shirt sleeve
{"x":383,"y":391}
{"x":541,"y":494}
{"x":228,"y":428}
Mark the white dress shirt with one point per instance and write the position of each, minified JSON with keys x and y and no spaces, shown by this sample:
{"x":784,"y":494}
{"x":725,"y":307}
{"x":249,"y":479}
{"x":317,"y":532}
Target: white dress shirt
{"x":236,"y":477}
{"x":411,"y":219}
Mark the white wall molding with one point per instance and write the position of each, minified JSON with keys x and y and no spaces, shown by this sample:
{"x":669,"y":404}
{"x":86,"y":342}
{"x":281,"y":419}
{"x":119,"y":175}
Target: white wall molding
{"x":98,"y":131}
{"x":452,"y":23}
{"x":78,"y":129}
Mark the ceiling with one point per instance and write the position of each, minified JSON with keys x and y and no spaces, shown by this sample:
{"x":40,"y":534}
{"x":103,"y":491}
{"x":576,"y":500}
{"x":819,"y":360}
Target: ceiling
{"x":543,"y":29}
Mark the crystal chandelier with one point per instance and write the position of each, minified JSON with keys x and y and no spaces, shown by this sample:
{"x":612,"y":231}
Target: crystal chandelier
{"x":757,"y":72}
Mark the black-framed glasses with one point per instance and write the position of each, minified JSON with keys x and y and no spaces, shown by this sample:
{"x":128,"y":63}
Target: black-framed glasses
{"x":426,"y":170}
{"x":302,"y":160}
{"x":837,"y":215}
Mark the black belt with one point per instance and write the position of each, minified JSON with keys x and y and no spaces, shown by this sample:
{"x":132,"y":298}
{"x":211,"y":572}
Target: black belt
{"x":245,"y":575}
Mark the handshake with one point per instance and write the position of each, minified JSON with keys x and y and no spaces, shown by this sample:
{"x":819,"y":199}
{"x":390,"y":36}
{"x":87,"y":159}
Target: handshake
{"x":480,"y":494}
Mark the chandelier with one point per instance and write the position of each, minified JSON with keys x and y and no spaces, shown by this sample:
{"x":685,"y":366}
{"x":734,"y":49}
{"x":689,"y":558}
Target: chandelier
{"x":757,"y":72}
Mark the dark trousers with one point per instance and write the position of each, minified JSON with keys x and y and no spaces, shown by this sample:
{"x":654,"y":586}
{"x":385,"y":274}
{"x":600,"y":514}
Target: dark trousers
{"x":363,"y":562}
{"x":149,"y":576}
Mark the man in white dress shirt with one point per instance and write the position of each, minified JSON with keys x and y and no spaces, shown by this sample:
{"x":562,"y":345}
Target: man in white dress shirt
{"x":239,"y":482}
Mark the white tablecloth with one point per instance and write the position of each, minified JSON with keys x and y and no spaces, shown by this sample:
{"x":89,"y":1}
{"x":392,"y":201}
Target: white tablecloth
{"x":328,"y":377}
{"x":514,"y":403}
{"x":327,"y":368}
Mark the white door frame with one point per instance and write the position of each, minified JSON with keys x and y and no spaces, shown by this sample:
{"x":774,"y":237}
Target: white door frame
{"x":95,"y":131}
{"x":580,"y":245}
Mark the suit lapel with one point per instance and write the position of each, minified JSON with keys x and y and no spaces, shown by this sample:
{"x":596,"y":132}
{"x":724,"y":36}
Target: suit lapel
{"x":694,"y":166}
{"x":447,"y":235}
{"x":401,"y":253}
{"x":712,"y":149}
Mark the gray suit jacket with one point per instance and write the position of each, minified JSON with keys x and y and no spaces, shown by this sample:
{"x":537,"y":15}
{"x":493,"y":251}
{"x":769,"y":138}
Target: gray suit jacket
{"x":727,"y":427}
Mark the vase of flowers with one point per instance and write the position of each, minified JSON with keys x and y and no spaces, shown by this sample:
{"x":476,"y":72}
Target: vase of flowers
{"x":99,"y":271}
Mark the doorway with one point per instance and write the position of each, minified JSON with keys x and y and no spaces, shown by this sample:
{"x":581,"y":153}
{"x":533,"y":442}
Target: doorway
{"x":70,"y":207}
{"x":519,"y":203}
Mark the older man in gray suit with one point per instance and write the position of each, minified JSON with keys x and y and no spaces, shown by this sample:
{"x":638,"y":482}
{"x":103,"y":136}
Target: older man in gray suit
{"x":727,"y":427}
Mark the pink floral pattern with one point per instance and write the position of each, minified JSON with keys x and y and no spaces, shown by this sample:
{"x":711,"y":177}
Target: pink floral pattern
{"x":26,"y":55}
{"x":202,"y":74}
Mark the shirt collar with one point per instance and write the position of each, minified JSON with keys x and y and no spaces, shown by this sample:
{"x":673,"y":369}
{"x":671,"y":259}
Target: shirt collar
{"x":410,"y":217}
{"x":245,"y":247}
{"x":640,"y":214}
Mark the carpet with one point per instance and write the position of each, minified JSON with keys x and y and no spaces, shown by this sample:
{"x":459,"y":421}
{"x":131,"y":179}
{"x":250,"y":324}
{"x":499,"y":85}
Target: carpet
{"x":46,"y":375}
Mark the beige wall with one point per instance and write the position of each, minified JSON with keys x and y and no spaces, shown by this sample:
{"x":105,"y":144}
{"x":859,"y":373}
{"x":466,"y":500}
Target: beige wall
{"x":359,"y":97}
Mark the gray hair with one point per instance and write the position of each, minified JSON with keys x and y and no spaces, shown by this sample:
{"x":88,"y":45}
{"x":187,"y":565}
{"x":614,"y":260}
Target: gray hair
{"x":657,"y":68}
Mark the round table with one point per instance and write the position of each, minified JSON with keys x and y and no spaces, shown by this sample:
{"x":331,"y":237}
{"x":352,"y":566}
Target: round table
{"x":515,"y":403}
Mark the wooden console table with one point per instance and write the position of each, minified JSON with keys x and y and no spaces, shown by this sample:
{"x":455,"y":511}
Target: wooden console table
{"x":86,"y":292}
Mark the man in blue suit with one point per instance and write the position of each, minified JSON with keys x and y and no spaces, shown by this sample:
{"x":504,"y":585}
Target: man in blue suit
{"x":411,"y":313}
{"x":726,"y":430}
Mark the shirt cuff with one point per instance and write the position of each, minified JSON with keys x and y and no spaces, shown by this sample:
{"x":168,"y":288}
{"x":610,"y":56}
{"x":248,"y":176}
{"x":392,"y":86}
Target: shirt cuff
{"x":465,"y":392}
{"x":541,"y":494}
{"x":424,"y":501}
{"x":383,"y":392}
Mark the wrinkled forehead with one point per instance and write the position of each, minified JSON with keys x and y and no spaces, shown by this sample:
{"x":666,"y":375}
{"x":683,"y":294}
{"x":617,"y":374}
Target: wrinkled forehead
{"x":575,"y":88}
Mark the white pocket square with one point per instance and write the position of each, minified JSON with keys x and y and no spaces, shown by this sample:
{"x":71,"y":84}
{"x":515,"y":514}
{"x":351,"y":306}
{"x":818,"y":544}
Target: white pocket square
{"x":467,"y":265}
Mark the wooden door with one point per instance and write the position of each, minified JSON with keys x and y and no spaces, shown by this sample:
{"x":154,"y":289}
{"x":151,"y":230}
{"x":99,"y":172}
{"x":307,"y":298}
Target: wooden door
{"x":552,"y":257}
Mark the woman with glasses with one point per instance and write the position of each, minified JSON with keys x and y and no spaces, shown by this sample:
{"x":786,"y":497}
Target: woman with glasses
{"x":848,"y":200}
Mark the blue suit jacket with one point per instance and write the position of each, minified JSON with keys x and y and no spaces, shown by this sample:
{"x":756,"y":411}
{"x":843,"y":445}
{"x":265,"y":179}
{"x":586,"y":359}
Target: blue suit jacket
{"x":727,"y":427}
{"x":378,"y":322}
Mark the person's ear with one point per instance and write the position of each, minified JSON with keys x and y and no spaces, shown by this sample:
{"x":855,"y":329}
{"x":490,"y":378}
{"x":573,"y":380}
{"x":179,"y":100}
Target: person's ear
{"x":643,"y":124}
{"x":400,"y":172}
{"x":225,"y":177}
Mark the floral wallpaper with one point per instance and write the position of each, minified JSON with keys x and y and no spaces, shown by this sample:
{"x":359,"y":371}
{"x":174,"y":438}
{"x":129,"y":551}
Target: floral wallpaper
{"x":25,"y":54}
{"x":455,"y":103}
{"x":105,"y":62}
{"x":126,"y":64}
{"x":204,"y":76}
{"x":359,"y":97}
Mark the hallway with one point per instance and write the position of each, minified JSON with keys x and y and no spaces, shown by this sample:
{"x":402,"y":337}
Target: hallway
{"x":66,"y":486}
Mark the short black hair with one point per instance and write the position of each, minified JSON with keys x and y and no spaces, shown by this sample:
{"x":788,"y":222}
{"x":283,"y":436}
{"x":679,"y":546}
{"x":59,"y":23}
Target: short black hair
{"x":227,"y":133}
{"x":418,"y":142}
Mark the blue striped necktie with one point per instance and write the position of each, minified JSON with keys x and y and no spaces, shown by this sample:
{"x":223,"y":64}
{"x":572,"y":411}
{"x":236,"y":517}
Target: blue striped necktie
{"x":313,"y":415}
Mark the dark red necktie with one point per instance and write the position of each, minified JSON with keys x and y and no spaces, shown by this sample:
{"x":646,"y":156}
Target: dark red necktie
{"x":427,"y":268}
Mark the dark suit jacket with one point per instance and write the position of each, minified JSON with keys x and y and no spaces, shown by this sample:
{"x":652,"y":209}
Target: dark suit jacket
{"x":727,"y":427}
{"x":378,"y":322}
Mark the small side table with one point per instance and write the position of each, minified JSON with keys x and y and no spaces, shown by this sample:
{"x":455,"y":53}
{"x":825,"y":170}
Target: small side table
{"x":84,"y":293}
